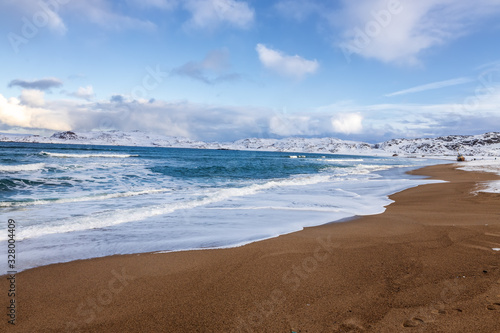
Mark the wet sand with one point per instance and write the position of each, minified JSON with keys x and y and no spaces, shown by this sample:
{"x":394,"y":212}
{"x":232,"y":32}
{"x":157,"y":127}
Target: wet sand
{"x":426,"y":264}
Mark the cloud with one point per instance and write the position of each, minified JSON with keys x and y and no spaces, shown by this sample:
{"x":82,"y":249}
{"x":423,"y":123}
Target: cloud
{"x":477,"y":113}
{"x":290,"y":66}
{"x":297,"y":10}
{"x":431,"y":86}
{"x":186,"y":119}
{"x":293,"y":125}
{"x":55,"y":22}
{"x":400,"y":31}
{"x":43,"y":13}
{"x":350,"y":123}
{"x":161,"y":4}
{"x":316,"y":124}
{"x":86,"y":93}
{"x":106,"y":14}
{"x":32,"y":97}
{"x":117,"y":99}
{"x":210,"y":14}
{"x":210,"y":70}
{"x":42,"y":84}
{"x":193,"y":120}
{"x":15,"y":114}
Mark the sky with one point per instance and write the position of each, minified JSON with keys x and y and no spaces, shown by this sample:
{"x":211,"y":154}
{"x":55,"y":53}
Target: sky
{"x":222,"y":70}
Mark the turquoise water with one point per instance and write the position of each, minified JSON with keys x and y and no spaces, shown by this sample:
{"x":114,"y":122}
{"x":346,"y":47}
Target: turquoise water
{"x":76,"y":201}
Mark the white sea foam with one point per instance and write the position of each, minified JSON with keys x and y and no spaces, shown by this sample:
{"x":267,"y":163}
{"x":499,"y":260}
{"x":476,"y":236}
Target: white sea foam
{"x":302,"y":209}
{"x":82,"y":199}
{"x":64,"y":155}
{"x":117,"y":217}
{"x":340,"y":159}
{"x":367,"y":168}
{"x":22,"y":167}
{"x":364,"y":169}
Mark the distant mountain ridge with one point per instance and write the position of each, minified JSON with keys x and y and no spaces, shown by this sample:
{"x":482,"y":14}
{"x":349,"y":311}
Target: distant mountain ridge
{"x":487,"y":144}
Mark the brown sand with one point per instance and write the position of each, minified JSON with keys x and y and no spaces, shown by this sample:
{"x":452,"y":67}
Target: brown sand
{"x":425,"y":265}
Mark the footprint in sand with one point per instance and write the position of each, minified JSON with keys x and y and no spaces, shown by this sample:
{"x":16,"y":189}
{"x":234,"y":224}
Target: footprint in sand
{"x":350,"y":325}
{"x":494,"y":307}
{"x":414,"y":322}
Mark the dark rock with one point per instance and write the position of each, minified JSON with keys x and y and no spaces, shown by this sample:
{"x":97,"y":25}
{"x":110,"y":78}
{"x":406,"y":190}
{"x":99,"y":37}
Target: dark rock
{"x":68,"y":135}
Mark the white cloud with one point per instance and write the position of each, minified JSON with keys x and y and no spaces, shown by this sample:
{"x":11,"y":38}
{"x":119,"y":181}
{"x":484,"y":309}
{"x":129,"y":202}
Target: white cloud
{"x":197,"y":121}
{"x":102,"y":13}
{"x":55,"y":22}
{"x":32,"y":97}
{"x":13,"y":113}
{"x":291,"y":66}
{"x":431,"y":86}
{"x":350,"y":123}
{"x":39,"y":13}
{"x":216,"y":60}
{"x":51,"y":14}
{"x":209,"y":14}
{"x":298,"y":10}
{"x":210,"y":70}
{"x":399,"y":31}
{"x":292,"y":125}
{"x":161,"y":4}
{"x":478,"y":112}
{"x":86,"y":93}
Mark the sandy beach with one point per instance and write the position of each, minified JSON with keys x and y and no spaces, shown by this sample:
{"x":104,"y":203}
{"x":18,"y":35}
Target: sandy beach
{"x":426,"y":264}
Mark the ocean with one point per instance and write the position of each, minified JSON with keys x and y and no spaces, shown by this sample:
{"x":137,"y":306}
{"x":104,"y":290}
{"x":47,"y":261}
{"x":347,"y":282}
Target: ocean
{"x":78,"y":201}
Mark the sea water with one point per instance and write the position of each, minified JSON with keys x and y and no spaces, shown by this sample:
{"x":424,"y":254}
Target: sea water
{"x":78,"y":201}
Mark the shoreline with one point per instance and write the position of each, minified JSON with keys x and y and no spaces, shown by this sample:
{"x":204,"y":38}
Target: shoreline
{"x":327,"y":200}
{"x":423,"y":264}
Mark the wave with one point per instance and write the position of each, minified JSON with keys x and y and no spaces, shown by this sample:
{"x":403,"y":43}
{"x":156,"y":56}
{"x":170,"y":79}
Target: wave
{"x":86,"y":155}
{"x":22,"y":167}
{"x":117,"y":217}
{"x":340,"y":159}
{"x":364,"y":169}
{"x":304,"y":209}
{"x":12,"y":184}
{"x":81,"y":199}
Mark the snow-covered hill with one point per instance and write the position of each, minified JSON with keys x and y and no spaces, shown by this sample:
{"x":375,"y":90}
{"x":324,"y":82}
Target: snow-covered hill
{"x":114,"y":138}
{"x":311,"y":145}
{"x":487,"y":144}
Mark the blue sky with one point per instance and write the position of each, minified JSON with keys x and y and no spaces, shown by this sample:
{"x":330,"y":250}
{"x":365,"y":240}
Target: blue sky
{"x":228,"y":69}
